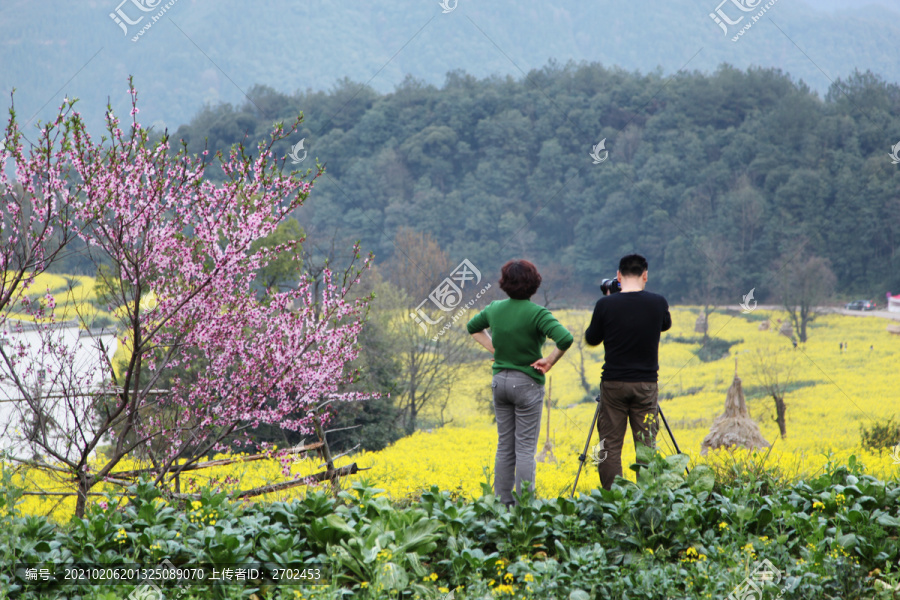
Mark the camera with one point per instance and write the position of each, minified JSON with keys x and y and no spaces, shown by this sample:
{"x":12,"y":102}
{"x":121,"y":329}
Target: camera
{"x":610,"y":286}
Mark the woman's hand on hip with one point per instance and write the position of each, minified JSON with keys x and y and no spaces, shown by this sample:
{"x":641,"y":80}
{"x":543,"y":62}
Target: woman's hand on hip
{"x":543,"y":365}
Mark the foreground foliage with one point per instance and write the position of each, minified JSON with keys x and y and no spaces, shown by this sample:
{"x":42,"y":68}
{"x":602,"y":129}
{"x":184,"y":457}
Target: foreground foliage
{"x":834,"y":536}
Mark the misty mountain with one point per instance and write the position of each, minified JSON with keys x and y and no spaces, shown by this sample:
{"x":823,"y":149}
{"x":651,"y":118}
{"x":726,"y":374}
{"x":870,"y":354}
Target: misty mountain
{"x":199,"y":53}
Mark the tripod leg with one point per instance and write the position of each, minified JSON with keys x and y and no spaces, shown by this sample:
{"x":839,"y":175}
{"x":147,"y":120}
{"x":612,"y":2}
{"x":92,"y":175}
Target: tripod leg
{"x":587,"y":444}
{"x":669,"y":429}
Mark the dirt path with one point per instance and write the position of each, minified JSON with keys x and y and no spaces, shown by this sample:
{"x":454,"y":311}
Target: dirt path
{"x":884,"y":314}
{"x":869,"y":313}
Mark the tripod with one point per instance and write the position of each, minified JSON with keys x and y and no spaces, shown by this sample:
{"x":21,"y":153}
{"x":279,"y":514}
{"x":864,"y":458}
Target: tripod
{"x":583,"y":456}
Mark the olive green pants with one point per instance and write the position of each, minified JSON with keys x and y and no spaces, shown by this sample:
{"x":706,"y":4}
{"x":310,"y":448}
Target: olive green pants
{"x":622,"y":402}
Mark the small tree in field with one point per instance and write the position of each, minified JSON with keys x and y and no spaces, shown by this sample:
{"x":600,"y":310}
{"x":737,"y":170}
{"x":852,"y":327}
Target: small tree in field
{"x":426,"y":359}
{"x":581,"y":353}
{"x":180,"y":260}
{"x":713,"y":280}
{"x":773,"y":371}
{"x":806,"y":282}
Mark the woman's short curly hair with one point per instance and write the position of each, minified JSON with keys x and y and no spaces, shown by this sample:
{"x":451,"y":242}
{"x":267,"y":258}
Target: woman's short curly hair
{"x":519,"y":279}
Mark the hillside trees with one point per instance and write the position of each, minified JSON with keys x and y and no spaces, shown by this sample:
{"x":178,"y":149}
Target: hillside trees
{"x":495,"y":167}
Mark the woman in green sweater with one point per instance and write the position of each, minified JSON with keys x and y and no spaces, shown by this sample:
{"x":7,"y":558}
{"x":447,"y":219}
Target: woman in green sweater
{"x":519,"y":328}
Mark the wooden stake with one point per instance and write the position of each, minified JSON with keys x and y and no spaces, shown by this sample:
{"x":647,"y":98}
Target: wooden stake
{"x":546,"y":454}
{"x":326,"y":454}
{"x":549,"y":393}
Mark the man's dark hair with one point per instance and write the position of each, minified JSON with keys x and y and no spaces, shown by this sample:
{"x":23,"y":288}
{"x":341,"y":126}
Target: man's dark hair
{"x":632,"y":265}
{"x":519,"y":279}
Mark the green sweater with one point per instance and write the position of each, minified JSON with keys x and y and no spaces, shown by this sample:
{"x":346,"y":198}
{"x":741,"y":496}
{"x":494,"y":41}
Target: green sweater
{"x":518,"y":330}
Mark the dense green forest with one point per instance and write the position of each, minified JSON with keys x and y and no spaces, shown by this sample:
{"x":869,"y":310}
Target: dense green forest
{"x":718,"y":179}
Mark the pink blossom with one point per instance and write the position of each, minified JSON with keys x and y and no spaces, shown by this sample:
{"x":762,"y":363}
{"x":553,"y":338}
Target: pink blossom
{"x":271,"y":360}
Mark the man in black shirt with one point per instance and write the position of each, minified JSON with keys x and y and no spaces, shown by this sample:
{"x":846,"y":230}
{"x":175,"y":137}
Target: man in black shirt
{"x":628,"y":324}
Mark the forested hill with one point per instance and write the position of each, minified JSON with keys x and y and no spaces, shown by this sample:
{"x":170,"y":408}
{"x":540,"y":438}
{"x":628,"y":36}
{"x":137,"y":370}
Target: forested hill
{"x":726,"y":174}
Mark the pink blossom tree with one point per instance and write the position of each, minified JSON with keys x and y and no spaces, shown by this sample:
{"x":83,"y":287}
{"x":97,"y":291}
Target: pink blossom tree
{"x":180,"y":265}
{"x":35,"y":229}
{"x":36,"y":216}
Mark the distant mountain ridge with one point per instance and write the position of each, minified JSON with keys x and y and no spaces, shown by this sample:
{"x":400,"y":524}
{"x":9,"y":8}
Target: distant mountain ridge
{"x":205,"y":53}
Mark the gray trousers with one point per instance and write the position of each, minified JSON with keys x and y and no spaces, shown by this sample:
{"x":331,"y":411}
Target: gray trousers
{"x":518,"y":403}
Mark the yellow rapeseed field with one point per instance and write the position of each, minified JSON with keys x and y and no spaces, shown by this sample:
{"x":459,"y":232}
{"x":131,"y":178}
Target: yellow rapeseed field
{"x":823,"y":419}
{"x":841,"y":391}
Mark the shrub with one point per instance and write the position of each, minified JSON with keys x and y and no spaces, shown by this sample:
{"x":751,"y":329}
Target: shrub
{"x":881,"y":434}
{"x":715,"y":348}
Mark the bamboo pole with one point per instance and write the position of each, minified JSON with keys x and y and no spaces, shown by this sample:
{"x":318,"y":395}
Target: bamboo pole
{"x":350,"y":469}
{"x":220,"y":462}
{"x":277,"y":487}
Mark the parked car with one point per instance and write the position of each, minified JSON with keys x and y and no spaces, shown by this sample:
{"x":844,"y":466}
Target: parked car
{"x":860,"y":305}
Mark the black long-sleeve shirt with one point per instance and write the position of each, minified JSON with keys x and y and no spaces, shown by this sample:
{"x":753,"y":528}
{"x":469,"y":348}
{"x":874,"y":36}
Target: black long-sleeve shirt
{"x":628,"y":324}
